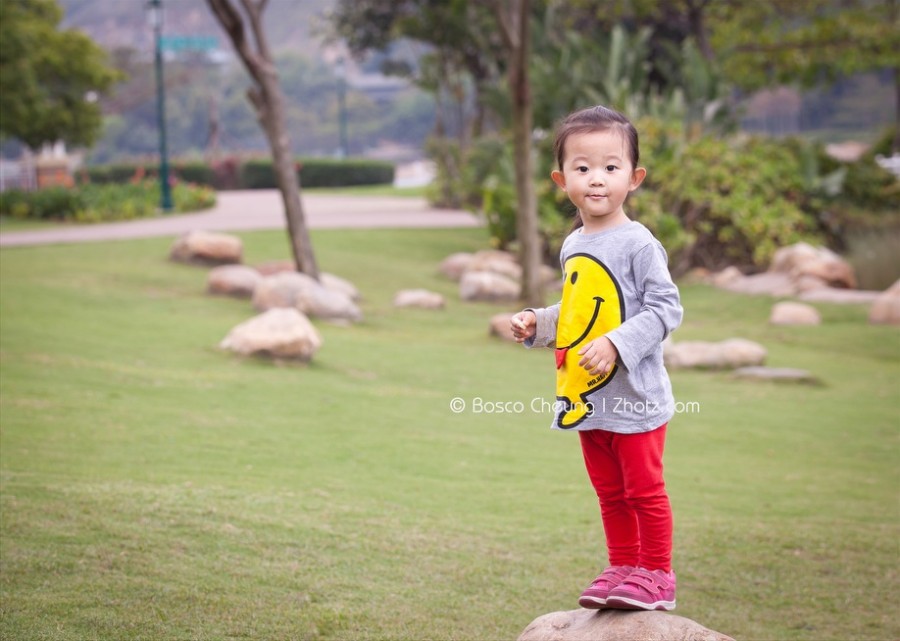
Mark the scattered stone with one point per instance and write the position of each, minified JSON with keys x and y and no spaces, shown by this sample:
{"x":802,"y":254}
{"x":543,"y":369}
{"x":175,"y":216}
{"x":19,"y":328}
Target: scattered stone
{"x":768,"y":283}
{"x":726,"y":276}
{"x":455,"y":265}
{"x":840,"y":296}
{"x":778,"y":374}
{"x":338,"y":284}
{"x":272,"y":267}
{"x":802,"y":259}
{"x":501,"y":328}
{"x":282,"y":289}
{"x":329,"y":304}
{"x":239,"y":281}
{"x":279,"y":333}
{"x":207,"y":248}
{"x":790,"y":313}
{"x":886,"y":308}
{"x":302,"y":292}
{"x":418,"y":298}
{"x":488,"y":287}
{"x":727,"y":354}
{"x":617,"y":625}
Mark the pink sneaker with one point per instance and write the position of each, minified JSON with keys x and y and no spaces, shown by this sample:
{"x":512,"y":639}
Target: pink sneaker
{"x":594,"y":598}
{"x":644,"y":590}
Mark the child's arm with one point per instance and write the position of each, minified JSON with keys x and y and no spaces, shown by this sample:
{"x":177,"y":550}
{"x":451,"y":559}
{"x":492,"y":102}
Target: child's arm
{"x":660,"y":312}
{"x":536,"y":327}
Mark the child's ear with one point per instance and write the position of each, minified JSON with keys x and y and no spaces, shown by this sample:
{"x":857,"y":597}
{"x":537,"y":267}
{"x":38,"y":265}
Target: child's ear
{"x":559,"y":179}
{"x":637,"y":177}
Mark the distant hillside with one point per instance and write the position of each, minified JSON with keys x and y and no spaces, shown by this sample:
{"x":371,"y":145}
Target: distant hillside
{"x":290,"y":24}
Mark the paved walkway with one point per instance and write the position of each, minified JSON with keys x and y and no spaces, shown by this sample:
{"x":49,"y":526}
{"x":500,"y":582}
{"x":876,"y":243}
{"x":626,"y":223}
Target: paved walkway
{"x":260,"y":209}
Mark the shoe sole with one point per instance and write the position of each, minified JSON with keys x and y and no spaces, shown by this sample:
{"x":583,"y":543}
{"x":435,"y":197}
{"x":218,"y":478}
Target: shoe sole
{"x":592,"y":603}
{"x":624,"y":603}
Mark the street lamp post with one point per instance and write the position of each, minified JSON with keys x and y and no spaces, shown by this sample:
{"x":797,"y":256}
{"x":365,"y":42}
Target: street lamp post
{"x":342,"y":106}
{"x":155,"y":12}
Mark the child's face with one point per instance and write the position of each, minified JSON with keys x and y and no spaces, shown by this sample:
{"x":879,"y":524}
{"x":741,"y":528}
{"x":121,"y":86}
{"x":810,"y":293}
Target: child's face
{"x":597,"y":176}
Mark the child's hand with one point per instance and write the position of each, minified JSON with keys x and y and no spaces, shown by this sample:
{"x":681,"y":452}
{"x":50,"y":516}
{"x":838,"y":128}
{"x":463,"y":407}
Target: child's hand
{"x":598,"y":356}
{"x":524,"y":325}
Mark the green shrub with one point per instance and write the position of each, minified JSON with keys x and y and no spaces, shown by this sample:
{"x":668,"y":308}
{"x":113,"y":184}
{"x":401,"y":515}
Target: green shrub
{"x":738,"y":201}
{"x":120,"y":173}
{"x":95,"y":203}
{"x":320,"y":172}
{"x":53,"y":202}
{"x":196,"y":172}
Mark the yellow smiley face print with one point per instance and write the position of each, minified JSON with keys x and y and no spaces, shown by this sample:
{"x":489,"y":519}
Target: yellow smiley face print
{"x":591,"y":306}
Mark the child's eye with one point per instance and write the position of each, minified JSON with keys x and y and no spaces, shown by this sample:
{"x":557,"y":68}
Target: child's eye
{"x":611,"y":168}
{"x":582,"y":169}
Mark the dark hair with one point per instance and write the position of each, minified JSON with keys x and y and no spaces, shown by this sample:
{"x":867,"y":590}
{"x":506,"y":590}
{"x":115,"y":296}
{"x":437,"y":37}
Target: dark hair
{"x":589,"y":120}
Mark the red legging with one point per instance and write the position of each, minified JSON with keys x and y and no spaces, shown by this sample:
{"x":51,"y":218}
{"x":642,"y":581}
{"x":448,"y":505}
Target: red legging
{"x":627,"y":473}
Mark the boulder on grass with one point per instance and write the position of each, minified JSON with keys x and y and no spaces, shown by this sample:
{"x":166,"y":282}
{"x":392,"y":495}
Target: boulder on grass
{"x":280,"y":333}
{"x":617,"y":625}
{"x":802,"y":259}
{"x":455,"y":265}
{"x":488,"y":287}
{"x":281,"y":289}
{"x":302,"y":292}
{"x":207,"y":248}
{"x":329,"y":304}
{"x":239,"y":281}
{"x":886,"y":308}
{"x":418,"y":298}
{"x":727,"y":354}
{"x":776,"y":374}
{"x":338,"y":284}
{"x":790,"y":313}
{"x":500,"y":327}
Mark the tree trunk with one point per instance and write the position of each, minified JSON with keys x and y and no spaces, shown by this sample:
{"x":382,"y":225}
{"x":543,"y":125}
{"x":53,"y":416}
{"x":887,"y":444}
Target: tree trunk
{"x":514,"y":27}
{"x":268,"y":101}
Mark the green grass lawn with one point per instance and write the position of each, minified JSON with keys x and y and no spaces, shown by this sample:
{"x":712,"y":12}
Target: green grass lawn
{"x":154,"y":487}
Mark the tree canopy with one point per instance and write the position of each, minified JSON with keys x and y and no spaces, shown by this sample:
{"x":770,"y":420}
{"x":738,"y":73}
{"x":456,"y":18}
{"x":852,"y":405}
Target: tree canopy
{"x":51,"y":78}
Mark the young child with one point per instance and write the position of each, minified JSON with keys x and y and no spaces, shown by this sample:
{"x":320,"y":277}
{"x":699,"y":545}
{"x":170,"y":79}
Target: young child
{"x":618,"y":304}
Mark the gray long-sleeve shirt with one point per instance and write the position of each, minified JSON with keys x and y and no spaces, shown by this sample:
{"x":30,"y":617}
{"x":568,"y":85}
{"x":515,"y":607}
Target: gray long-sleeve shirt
{"x":617,"y":284}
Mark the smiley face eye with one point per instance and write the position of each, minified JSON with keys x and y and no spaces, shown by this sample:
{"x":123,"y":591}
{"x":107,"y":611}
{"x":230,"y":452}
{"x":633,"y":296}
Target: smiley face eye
{"x":573,"y":278}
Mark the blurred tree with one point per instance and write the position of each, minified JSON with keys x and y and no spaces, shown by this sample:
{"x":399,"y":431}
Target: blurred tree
{"x":267,"y":98}
{"x":513,"y":22}
{"x":51,"y":79}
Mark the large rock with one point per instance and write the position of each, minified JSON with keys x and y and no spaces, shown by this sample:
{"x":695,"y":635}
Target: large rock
{"x":455,"y":265}
{"x":501,"y":328}
{"x":207,"y":248}
{"x":840,"y":296}
{"x":886,"y":308}
{"x":488,"y":286}
{"x":281,"y":289}
{"x":777,"y":374}
{"x":280,"y":333}
{"x":802,"y":259}
{"x":727,"y":354}
{"x":790,"y":313}
{"x":304,"y":293}
{"x":272,"y":267}
{"x":496,"y":262}
{"x":418,"y":298}
{"x":617,"y":625}
{"x":320,"y":302}
{"x":342,"y":285}
{"x":239,"y":281}
{"x":769,"y":283}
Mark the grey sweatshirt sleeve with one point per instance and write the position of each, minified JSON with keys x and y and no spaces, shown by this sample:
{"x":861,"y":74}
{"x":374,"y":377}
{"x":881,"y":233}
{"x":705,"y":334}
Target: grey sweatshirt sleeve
{"x":545,"y":332}
{"x":660,"y":312}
